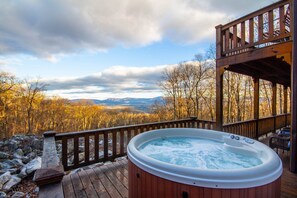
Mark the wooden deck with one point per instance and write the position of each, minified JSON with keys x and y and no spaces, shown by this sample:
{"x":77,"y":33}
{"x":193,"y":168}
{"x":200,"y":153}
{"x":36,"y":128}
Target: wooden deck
{"x":112,"y":180}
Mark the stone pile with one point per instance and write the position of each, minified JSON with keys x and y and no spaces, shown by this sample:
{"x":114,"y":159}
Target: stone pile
{"x":19,"y":158}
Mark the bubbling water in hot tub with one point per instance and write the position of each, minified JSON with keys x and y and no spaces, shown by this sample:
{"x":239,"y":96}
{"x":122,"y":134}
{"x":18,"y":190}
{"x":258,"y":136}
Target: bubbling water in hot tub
{"x":197,"y":153}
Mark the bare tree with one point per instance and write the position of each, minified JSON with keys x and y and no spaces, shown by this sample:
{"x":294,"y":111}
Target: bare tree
{"x":29,"y":92}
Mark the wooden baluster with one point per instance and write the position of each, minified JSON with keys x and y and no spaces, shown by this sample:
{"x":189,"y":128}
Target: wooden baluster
{"x":65,"y":152}
{"x":76,"y":150}
{"x":251,"y":30}
{"x":96,"y":147}
{"x":271,"y":24}
{"x":282,"y":20}
{"x":203,"y":125}
{"x":227,"y":39}
{"x":121,"y":141}
{"x":114,"y":143}
{"x":87,"y":148}
{"x":260,"y":28}
{"x":105,"y":140}
{"x":235,"y":38}
{"x":128,"y":135}
{"x":243,"y":33}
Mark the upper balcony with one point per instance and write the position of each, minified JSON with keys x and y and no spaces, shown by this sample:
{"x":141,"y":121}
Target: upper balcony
{"x":258,"y":44}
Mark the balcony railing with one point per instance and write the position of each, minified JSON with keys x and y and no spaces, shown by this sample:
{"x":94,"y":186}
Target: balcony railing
{"x":265,"y":27}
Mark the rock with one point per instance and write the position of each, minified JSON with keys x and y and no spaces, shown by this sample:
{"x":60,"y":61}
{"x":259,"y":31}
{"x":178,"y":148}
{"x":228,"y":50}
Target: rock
{"x":14,"y":180}
{"x":18,"y":195}
{"x":4,"y":155}
{"x":4,"y":178}
{"x":81,"y":149}
{"x":16,"y":163}
{"x":101,"y":153}
{"x":31,"y":155}
{"x":2,"y":194}
{"x":30,"y":167}
{"x":4,"y":166}
{"x":12,"y":145}
{"x":13,"y":170}
{"x":26,"y":160}
{"x":18,"y":154}
{"x":37,"y":144}
{"x":27,"y":149}
{"x":81,"y":157}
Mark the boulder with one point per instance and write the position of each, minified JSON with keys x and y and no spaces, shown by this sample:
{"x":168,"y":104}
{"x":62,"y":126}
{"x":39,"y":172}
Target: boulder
{"x":2,"y":194}
{"x":12,"y":145}
{"x":26,"y":159}
{"x":15,"y":163}
{"x":30,"y":167}
{"x":13,"y":170}
{"x":4,"y":155}
{"x":18,"y":195}
{"x":31,"y":155}
{"x":4,"y":178}
{"x":5,"y":166}
{"x":18,"y":153}
{"x":27,"y":149}
{"x":81,"y":149}
{"x":14,"y":180}
{"x":37,"y":144}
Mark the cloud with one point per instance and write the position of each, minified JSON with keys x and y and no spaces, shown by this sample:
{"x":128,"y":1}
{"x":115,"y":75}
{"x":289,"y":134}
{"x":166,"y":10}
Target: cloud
{"x":47,"y":28}
{"x":117,"y":81}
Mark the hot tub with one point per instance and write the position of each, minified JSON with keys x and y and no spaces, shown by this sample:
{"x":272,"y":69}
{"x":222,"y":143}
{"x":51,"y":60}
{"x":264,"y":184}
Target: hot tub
{"x":185,"y":163}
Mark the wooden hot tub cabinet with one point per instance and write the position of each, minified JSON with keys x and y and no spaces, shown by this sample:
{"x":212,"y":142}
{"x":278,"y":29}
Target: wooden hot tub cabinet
{"x":145,"y":185}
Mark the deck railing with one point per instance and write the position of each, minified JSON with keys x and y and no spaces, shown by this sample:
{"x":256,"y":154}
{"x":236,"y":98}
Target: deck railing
{"x":265,"y":27}
{"x":87,"y":147}
{"x":93,"y":146}
{"x":257,"y":128}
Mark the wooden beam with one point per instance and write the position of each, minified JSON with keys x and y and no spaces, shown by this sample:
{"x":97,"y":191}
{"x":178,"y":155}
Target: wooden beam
{"x":219,"y":98}
{"x":256,"y":104}
{"x":256,"y":54}
{"x":293,"y":157}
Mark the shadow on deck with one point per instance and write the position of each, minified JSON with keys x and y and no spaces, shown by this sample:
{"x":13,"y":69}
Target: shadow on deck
{"x":111,"y":180}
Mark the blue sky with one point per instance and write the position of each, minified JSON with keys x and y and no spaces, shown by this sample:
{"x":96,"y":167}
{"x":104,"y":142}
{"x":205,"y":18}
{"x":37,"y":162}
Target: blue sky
{"x":101,"y":49}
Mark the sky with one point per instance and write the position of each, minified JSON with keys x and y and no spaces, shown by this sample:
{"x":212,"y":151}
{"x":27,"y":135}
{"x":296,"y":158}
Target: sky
{"x":98,"y":49}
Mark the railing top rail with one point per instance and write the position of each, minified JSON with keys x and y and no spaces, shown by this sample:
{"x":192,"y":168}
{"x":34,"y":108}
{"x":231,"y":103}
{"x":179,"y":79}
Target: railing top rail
{"x":78,"y":133}
{"x":255,"y":13}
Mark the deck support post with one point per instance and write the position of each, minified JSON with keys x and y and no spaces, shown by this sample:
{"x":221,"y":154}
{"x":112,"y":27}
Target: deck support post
{"x":49,"y":176}
{"x":274,"y":105}
{"x":286,"y":103}
{"x":293,"y":157}
{"x":219,"y":98}
{"x":256,"y":105}
{"x":219,"y":80}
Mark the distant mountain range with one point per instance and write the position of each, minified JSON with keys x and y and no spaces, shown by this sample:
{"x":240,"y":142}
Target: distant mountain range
{"x":141,"y":104}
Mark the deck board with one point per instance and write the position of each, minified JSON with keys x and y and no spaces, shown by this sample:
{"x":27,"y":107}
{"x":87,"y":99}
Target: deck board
{"x":111,"y":180}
